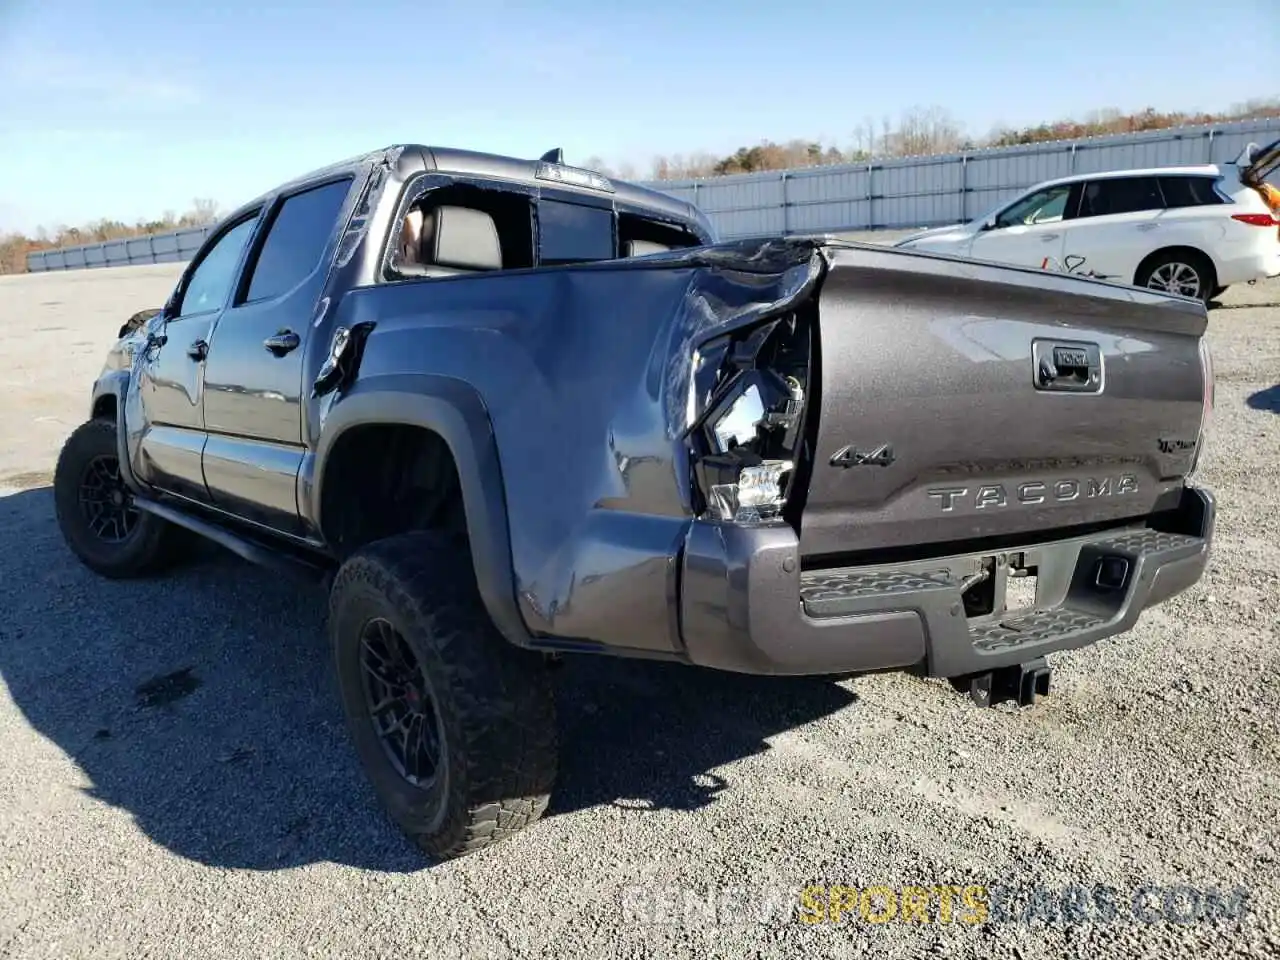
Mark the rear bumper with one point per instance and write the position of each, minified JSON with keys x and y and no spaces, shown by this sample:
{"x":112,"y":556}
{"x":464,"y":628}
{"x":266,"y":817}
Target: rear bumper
{"x":1260,"y":263}
{"x":747,"y":607}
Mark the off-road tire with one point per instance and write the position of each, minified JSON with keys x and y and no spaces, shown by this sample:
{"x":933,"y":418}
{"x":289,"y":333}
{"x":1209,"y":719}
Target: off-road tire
{"x":493,"y":700}
{"x":151,"y":544}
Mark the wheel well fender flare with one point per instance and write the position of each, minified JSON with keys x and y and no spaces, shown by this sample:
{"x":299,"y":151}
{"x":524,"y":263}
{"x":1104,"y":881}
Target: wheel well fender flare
{"x":454,"y":411}
{"x":115,"y":383}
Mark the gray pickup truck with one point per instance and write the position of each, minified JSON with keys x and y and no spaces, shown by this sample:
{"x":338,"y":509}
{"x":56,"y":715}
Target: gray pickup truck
{"x":507,"y":410}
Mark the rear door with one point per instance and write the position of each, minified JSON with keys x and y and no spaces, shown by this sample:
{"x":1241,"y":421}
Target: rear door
{"x":1194,"y":214}
{"x":170,"y":383}
{"x":1028,"y":232}
{"x":1115,"y":227}
{"x":253,"y":373}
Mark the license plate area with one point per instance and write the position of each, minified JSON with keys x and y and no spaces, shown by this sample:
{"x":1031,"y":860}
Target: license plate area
{"x":1020,"y":590}
{"x":999,"y":584}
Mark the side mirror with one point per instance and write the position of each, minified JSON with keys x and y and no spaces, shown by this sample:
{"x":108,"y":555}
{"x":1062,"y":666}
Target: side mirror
{"x":137,"y":321}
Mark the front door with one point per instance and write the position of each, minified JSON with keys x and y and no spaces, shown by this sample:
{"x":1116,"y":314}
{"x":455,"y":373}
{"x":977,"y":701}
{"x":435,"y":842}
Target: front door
{"x":1028,"y":232}
{"x":169,"y":379}
{"x":253,"y":388}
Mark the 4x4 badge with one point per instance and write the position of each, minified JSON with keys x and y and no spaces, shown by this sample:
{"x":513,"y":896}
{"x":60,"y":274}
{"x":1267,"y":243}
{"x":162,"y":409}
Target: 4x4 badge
{"x":850,"y":456}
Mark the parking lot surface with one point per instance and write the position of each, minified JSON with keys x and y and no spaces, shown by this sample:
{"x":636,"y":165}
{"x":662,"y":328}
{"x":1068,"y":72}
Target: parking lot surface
{"x":176,"y":780}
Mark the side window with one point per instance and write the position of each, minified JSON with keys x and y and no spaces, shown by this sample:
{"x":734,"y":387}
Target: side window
{"x":461,"y":228}
{"x":638,"y":236}
{"x":573,"y":233}
{"x":216,"y":272}
{"x":296,"y":239}
{"x":1043,"y":206}
{"x":1189,"y":192}
{"x":1115,"y":195}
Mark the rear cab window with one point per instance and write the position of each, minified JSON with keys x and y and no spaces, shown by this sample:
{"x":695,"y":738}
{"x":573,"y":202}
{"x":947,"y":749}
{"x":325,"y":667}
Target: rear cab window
{"x":574,"y":233}
{"x":471,"y":226}
{"x":639,"y":235}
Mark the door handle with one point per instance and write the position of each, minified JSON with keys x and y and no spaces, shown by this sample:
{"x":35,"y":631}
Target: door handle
{"x":1147,"y":226}
{"x":1046,"y":237}
{"x":198,"y":350}
{"x":282,"y":342}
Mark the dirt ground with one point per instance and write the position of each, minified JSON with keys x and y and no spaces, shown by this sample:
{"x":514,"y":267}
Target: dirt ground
{"x":176,"y":780}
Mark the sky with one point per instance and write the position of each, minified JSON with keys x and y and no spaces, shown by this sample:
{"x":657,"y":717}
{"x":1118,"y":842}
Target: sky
{"x":125,"y":109}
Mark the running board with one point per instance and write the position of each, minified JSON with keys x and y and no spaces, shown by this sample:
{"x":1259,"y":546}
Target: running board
{"x":244,"y":547}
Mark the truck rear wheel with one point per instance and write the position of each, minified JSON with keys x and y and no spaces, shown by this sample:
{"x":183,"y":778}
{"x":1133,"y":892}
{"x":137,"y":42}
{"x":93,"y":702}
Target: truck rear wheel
{"x":454,"y":726}
{"x":95,"y":509}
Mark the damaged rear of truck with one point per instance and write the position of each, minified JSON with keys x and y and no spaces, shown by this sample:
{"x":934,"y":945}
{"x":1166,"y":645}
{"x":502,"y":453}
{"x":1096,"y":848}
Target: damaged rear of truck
{"x":805,"y":456}
{"x":932,"y":464}
{"x":515,"y":412}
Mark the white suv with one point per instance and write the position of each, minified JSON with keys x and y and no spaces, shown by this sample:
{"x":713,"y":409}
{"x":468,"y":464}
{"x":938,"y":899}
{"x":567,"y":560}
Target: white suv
{"x":1191,"y":230}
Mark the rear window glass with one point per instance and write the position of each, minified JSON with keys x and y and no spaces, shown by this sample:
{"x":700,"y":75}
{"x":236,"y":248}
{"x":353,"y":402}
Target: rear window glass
{"x":1188,"y":191}
{"x":572,"y":233}
{"x":1120,"y":195}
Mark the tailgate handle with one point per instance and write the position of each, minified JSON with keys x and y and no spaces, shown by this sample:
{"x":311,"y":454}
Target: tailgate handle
{"x":1071,"y":366}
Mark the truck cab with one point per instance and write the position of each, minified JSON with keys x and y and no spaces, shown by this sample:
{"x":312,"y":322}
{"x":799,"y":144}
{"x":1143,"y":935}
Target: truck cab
{"x":225,"y":413}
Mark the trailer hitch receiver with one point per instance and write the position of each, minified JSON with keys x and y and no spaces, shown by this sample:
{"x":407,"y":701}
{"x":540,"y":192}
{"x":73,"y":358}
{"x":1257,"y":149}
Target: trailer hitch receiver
{"x":1022,"y":682}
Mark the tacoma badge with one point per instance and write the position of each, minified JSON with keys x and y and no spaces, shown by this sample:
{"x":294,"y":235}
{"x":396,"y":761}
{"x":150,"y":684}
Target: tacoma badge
{"x":1034,"y":492}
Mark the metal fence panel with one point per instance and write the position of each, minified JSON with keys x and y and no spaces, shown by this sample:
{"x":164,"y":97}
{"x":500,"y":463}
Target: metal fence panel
{"x":907,"y":193}
{"x":932,"y":191}
{"x":177,"y":246}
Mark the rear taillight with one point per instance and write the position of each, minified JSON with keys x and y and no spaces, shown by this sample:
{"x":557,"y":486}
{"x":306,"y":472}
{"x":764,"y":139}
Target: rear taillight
{"x":1206,"y":409}
{"x":745,"y":415}
{"x":1257,"y":219}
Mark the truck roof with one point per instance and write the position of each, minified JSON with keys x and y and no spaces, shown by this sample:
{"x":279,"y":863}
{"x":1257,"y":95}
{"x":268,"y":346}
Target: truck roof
{"x":409,"y":158}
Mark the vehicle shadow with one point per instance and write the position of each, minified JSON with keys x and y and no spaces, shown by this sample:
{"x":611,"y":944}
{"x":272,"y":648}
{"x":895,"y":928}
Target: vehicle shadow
{"x":202,"y":703}
{"x":1268,"y":399}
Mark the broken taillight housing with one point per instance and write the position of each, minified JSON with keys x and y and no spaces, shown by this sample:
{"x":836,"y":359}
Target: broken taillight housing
{"x":1206,"y":407}
{"x":746,"y":404}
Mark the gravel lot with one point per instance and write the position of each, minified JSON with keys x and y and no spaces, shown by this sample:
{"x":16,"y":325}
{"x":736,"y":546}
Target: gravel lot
{"x":220,"y":812}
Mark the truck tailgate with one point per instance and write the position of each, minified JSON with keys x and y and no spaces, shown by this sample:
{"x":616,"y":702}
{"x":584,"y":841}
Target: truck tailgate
{"x":963,"y":401}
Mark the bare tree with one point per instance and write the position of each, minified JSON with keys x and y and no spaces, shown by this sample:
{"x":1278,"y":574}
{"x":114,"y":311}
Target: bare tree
{"x":204,"y":210}
{"x":925,"y":130}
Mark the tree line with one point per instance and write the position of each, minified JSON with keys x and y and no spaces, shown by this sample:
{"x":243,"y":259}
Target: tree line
{"x":921,"y":131}
{"x":14,"y":247}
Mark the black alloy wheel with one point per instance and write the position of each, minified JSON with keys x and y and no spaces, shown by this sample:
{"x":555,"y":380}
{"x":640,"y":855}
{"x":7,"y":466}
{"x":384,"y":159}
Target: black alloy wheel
{"x":401,"y":705}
